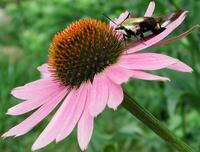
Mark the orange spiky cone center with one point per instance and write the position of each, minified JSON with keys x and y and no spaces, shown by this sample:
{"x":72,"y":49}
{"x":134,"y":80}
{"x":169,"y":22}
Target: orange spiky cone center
{"x":82,"y":50}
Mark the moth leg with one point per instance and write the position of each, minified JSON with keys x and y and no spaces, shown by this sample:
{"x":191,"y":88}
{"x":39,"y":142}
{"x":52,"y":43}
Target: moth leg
{"x":125,"y":37}
{"x":142,"y":36}
{"x":135,"y":35}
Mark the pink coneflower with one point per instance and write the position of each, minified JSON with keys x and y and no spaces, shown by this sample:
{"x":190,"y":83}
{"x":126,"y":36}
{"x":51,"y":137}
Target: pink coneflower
{"x":87,"y":63}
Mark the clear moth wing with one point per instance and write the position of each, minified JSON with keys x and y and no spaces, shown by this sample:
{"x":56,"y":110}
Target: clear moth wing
{"x":167,"y":19}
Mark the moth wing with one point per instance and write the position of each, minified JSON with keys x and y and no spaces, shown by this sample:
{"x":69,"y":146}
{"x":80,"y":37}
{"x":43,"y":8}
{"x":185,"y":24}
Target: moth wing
{"x":167,"y":19}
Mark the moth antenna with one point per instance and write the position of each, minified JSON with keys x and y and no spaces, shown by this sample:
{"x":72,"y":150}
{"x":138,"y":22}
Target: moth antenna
{"x":109,"y":18}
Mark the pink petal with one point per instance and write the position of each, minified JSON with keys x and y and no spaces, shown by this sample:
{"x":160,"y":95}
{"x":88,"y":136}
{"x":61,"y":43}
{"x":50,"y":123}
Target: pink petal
{"x":115,"y":95}
{"x":74,"y":113}
{"x":118,"y":74}
{"x":120,"y":19}
{"x":51,"y":131}
{"x":146,"y":61}
{"x":99,"y":94}
{"x":26,"y":125}
{"x":44,"y":70}
{"x":160,"y":36}
{"x":150,"y":9}
{"x":85,"y":126}
{"x":136,"y":41}
{"x":31,"y":104}
{"x":184,"y":34}
{"x":147,"y":76}
{"x":85,"y":129}
{"x":35,"y":89}
{"x":180,"y":66}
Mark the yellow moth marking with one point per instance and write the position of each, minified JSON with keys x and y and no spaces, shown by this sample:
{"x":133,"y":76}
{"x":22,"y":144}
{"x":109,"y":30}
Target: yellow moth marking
{"x":137,"y":20}
{"x":131,"y":21}
{"x":157,"y":26}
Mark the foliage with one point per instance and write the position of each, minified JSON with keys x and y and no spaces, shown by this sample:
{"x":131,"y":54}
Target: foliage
{"x":26,"y":29}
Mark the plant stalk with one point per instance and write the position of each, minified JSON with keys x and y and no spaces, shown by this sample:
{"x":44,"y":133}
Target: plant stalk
{"x":154,"y":124}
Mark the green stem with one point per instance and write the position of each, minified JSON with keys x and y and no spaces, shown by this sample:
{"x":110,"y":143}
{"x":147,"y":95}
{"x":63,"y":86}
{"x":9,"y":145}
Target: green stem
{"x":149,"y":120}
{"x":183,"y":119}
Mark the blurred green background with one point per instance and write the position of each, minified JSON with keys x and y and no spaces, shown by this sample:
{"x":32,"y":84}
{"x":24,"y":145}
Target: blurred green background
{"x":26,"y":30}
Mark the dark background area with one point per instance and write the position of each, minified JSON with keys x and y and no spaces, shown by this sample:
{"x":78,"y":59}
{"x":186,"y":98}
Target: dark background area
{"x":26,"y":30}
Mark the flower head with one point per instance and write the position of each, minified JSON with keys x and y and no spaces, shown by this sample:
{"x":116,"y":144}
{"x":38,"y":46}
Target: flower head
{"x":84,"y":49}
{"x":87,"y":64}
